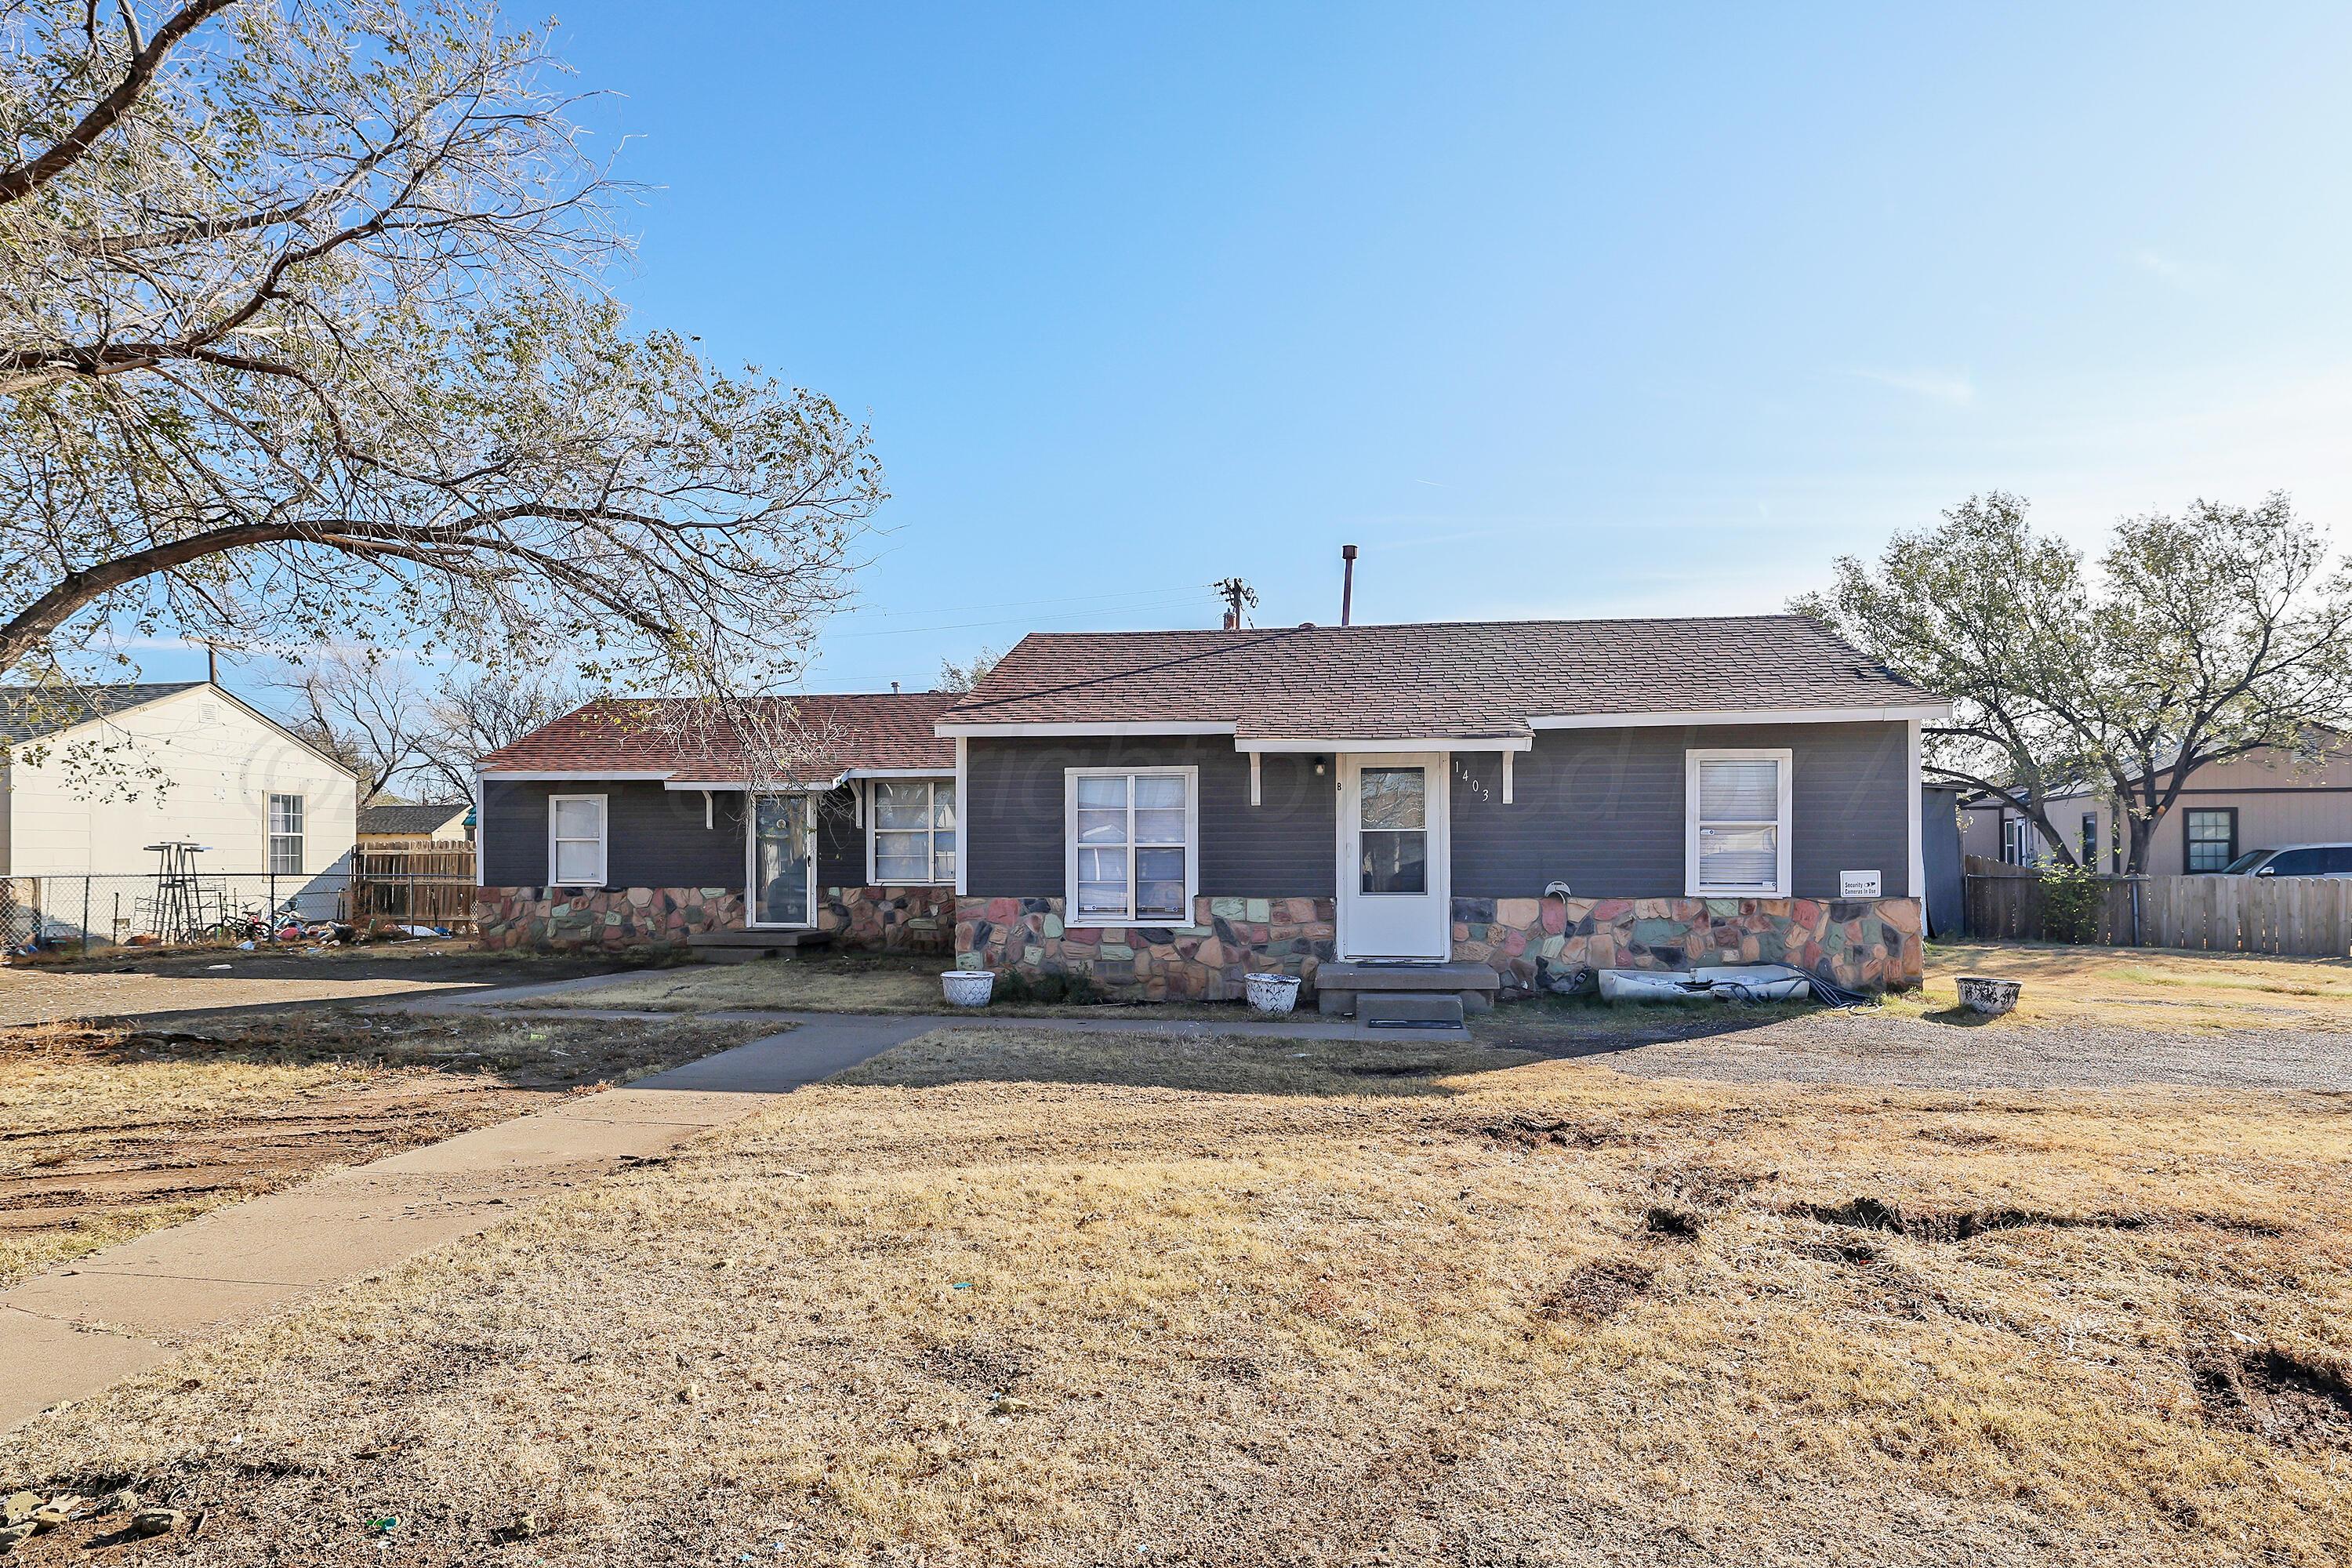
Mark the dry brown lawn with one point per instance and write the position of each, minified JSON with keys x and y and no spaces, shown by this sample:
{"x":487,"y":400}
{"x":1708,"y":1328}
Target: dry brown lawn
{"x":840,"y":983}
{"x":2157,"y":988}
{"x":107,"y":1131}
{"x":1006,"y":1297}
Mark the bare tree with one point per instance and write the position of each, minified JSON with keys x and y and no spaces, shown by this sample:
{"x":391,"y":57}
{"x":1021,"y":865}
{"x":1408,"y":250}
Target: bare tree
{"x":475,"y":714}
{"x":366,"y":710}
{"x":302,"y":341}
{"x":2221,"y":632}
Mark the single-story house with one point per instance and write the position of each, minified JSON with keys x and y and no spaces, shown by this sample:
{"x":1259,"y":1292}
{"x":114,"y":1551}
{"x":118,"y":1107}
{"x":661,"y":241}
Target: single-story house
{"x":2258,"y":801}
{"x":1163,"y":812}
{"x":442,"y":822}
{"x":96,"y":775}
{"x":614,"y":826}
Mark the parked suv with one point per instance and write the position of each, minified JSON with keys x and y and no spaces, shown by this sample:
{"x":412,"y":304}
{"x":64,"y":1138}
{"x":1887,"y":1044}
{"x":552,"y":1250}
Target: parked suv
{"x":2294,"y":860}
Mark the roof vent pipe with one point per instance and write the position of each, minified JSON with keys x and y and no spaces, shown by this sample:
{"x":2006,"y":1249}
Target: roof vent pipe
{"x":1347,"y":581}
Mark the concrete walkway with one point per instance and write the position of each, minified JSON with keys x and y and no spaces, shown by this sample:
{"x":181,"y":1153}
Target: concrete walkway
{"x":72,"y":1332}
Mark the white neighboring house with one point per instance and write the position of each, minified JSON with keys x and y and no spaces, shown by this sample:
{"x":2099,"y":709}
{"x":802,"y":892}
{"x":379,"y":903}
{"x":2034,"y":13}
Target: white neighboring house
{"x":161,"y":761}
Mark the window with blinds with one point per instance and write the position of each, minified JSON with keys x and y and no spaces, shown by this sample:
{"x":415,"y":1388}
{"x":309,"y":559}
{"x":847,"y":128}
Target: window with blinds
{"x":1738,"y":816}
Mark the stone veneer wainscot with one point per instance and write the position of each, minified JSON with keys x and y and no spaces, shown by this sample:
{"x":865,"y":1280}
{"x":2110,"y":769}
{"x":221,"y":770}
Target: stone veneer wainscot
{"x":622,"y":920}
{"x":1864,"y":944}
{"x":1201,"y":962}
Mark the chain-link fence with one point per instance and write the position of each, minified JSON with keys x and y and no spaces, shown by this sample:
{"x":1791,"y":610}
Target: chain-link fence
{"x":111,"y":909}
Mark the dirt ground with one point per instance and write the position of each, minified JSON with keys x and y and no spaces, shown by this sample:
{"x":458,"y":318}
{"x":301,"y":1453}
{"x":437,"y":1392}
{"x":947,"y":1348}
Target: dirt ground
{"x":108,"y":1130}
{"x":1006,"y":1296}
{"x":127,"y":983}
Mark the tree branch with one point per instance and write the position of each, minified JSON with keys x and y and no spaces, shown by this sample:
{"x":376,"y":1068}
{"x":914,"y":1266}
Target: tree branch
{"x":24,"y":179}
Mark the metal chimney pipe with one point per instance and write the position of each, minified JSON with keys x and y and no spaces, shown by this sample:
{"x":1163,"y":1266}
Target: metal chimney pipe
{"x":1347,"y":581}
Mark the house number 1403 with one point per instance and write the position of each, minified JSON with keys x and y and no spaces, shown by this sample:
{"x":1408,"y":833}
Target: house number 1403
{"x":1477,"y":786}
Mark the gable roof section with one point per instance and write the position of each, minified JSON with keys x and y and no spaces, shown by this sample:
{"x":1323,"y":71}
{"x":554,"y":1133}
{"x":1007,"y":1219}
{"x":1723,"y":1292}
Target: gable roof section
{"x":27,"y":714}
{"x":1438,"y":681}
{"x":410,"y":820}
{"x":884,"y":731}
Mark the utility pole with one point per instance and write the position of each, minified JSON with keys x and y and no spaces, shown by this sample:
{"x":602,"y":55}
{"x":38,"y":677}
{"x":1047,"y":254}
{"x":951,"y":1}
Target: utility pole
{"x":1239,"y":597}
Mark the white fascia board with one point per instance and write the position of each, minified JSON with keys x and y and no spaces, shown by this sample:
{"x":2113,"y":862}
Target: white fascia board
{"x":1401,"y":743}
{"x":946,"y":773}
{"x":532,"y":776}
{"x":788,"y":787}
{"x":1139,"y":727}
{"x":1930,"y":712}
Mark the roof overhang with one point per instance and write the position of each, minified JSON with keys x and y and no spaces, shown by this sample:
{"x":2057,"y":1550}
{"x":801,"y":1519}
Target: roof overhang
{"x":574,"y":775}
{"x":1122,"y":727}
{"x":1926,"y":712}
{"x":1383,"y":743}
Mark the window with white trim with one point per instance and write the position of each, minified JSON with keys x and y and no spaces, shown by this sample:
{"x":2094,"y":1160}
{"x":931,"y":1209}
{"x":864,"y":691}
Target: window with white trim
{"x":285,"y":835}
{"x":1738,"y":813}
{"x":576,"y":841}
{"x":912,"y":832}
{"x":1131,"y":837}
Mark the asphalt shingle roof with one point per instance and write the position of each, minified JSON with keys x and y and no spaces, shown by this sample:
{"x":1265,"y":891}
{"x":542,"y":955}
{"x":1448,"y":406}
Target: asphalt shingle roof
{"x":862,"y":730}
{"x":1450,"y":680}
{"x":414,"y":821}
{"x":26,"y":714}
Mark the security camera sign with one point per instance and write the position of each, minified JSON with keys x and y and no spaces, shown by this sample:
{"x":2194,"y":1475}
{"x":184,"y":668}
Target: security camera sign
{"x":1857,"y":884}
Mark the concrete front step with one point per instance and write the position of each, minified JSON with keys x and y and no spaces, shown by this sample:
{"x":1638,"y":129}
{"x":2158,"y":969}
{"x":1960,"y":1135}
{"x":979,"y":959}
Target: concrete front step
{"x":1343,"y":985}
{"x":743,"y":946}
{"x":1418,"y":1012}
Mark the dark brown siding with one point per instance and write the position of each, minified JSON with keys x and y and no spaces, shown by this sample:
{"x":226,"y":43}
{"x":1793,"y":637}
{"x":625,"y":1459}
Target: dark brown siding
{"x":657,"y":836}
{"x":1601,"y":810}
{"x":1282,"y":848}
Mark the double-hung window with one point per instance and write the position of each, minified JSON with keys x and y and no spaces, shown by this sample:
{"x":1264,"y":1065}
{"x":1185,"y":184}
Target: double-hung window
{"x":914,"y":832}
{"x":576,"y":841}
{"x":2212,"y":834}
{"x":285,"y":835}
{"x":1132,"y":836}
{"x":1737,"y":816}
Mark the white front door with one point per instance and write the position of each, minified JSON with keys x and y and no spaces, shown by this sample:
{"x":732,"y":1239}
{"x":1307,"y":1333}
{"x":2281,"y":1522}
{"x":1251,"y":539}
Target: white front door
{"x":1394,"y":898}
{"x":784,"y":861}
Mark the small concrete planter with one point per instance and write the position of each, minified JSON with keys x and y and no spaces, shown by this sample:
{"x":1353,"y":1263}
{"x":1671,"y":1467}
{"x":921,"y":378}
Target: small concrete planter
{"x":1270,"y":994}
{"x":1982,"y":993}
{"x":968,"y":987}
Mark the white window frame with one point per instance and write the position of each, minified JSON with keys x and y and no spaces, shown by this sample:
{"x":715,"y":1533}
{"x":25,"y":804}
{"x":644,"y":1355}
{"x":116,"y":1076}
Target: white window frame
{"x":1786,"y":758}
{"x":872,"y":803}
{"x":603,"y":839}
{"x":1191,"y":774}
{"x":271,"y":835}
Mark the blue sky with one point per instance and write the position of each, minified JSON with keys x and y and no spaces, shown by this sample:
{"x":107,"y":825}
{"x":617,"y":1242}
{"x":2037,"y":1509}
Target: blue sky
{"x":1554,"y":312}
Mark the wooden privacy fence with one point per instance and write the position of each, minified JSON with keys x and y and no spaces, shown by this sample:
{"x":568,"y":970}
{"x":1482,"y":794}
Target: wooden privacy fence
{"x":427,"y":884}
{"x":2306,"y":916}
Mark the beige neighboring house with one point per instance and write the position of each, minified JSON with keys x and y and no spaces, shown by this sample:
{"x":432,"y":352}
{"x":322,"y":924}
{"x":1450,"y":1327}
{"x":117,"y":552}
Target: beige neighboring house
{"x":2259,"y":801}
{"x":93,"y":779}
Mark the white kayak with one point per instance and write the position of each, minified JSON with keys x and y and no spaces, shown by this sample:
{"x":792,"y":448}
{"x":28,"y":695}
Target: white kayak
{"x":1719,"y":982}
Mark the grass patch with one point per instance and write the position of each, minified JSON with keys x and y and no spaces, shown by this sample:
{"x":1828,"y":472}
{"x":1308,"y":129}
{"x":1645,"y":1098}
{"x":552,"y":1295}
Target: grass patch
{"x":862,"y":982}
{"x":2146,"y":987}
{"x":1020,"y":1298}
{"x":110,"y":1130}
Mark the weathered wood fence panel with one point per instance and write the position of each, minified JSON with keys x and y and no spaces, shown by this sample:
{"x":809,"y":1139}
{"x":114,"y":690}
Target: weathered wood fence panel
{"x":429,"y":884}
{"x":2302,"y":916}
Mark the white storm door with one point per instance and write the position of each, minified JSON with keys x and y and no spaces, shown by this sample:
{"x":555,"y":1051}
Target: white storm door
{"x":784,"y":861}
{"x":1394,"y":892}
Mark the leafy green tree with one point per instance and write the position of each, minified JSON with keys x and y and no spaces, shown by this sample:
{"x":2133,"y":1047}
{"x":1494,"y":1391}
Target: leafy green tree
{"x":2208,"y":636}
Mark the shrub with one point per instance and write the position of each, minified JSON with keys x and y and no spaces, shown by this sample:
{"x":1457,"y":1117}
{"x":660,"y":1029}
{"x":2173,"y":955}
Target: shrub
{"x":2072,"y":898}
{"x":1012,"y":986}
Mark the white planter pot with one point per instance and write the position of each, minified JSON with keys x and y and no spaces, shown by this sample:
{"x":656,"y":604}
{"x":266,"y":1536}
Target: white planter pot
{"x":968,"y":987}
{"x":1272,"y":994}
{"x":1983,"y":993}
